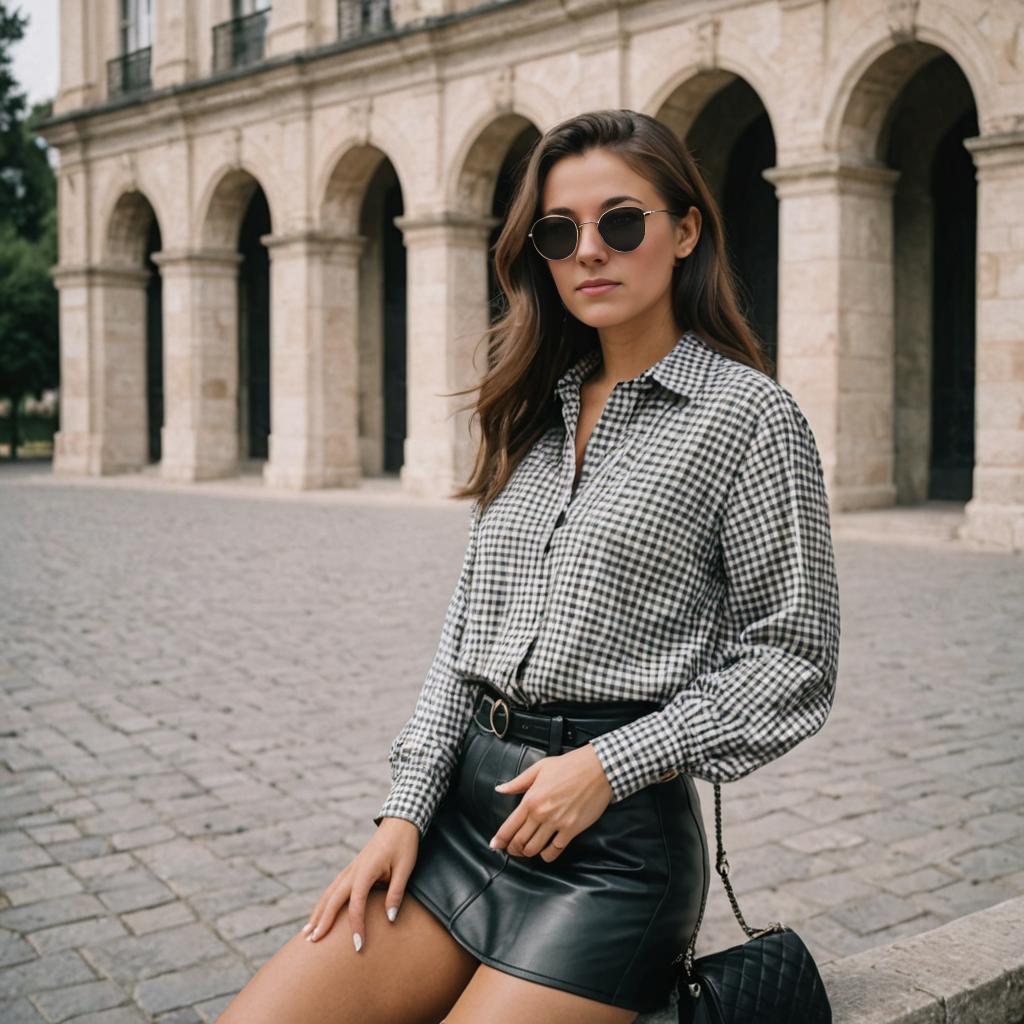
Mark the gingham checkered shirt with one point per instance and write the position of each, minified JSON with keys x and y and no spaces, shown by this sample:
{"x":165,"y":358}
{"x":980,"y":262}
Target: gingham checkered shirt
{"x":692,"y":566}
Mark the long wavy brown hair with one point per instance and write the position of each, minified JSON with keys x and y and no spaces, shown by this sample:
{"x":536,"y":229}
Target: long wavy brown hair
{"x":535,"y":339}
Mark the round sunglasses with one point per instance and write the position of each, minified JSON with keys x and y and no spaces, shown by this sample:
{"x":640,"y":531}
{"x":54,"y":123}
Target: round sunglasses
{"x":555,"y":236}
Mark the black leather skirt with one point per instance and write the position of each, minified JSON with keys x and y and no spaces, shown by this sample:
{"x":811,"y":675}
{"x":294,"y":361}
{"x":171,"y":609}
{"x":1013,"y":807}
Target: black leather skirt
{"x":608,"y":917}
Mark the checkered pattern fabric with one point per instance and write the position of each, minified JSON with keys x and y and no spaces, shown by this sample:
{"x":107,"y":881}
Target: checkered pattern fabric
{"x":692,"y":565}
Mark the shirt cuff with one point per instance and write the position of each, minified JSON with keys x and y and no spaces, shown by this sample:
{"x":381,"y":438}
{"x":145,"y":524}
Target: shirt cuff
{"x":414,"y":797}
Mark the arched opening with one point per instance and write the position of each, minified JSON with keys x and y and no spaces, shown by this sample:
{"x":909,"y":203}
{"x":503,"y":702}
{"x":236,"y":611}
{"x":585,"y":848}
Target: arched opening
{"x":133,"y":388}
{"x":732,"y":141}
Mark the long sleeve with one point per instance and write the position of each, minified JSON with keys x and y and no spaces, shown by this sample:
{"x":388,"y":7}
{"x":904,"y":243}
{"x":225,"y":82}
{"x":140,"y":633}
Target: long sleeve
{"x":772,"y":679}
{"x":423,"y":754}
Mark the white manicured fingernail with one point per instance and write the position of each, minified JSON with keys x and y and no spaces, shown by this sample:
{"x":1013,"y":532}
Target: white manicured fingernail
{"x":306,"y":927}
{"x":357,"y":941}
{"x":315,"y":934}
{"x":392,"y":913}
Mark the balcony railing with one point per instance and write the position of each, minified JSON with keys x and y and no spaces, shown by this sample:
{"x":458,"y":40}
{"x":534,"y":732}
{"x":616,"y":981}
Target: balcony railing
{"x":129,"y":72}
{"x":363,"y":17}
{"x":240,"y":40}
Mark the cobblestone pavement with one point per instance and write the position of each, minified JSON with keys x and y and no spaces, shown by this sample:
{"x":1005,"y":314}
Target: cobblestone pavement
{"x":197,"y":692}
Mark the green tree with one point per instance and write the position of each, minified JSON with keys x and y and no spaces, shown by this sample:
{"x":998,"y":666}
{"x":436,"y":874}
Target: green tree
{"x":29,"y":361}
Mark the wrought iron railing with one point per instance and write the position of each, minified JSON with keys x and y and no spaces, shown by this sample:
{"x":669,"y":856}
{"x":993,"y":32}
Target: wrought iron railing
{"x":240,"y":40}
{"x":129,"y":72}
{"x":363,"y":17}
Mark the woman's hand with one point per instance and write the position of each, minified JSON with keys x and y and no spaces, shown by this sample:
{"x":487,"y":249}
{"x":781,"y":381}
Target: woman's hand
{"x":389,"y":855}
{"x":564,"y":794}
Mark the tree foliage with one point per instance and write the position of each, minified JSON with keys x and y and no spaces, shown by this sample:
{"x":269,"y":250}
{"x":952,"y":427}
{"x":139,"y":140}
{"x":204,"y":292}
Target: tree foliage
{"x":29,"y":361}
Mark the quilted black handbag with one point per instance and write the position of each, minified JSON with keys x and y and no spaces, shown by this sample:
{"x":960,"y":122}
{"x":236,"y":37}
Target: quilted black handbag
{"x":769,"y":979}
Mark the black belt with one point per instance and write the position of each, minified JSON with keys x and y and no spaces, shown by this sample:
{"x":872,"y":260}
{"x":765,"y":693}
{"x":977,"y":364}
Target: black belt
{"x":550,"y":732}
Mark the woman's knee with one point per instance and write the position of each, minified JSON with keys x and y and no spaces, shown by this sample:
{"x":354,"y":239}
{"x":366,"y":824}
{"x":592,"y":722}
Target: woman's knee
{"x":410,"y":970}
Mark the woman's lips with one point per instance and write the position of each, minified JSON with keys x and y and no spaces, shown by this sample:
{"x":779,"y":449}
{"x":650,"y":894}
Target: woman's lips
{"x":597,"y":289}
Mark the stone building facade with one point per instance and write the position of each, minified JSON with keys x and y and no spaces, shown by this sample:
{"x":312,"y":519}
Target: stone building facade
{"x":275,"y":222}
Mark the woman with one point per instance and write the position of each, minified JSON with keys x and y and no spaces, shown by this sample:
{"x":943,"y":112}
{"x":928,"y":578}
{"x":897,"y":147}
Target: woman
{"x":648,"y":595}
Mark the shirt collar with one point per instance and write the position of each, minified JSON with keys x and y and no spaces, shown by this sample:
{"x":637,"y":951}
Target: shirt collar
{"x":683,"y":369}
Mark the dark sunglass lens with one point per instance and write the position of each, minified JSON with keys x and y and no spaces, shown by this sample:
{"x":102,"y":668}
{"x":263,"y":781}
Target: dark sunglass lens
{"x":555,"y":237}
{"x":623,"y":229}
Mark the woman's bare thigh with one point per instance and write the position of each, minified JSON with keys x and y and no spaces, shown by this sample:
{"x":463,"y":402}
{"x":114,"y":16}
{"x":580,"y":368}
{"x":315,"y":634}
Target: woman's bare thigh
{"x":410,"y":971}
{"x":500,"y":998}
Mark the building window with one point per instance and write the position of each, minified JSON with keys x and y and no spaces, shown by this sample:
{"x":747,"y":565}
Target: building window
{"x":363,"y":17}
{"x":242,"y":40}
{"x":131,"y":70}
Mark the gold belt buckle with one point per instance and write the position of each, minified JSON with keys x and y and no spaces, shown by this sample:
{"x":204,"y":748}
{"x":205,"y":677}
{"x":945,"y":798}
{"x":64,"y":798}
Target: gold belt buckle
{"x":668,"y":775}
{"x":508,"y":717}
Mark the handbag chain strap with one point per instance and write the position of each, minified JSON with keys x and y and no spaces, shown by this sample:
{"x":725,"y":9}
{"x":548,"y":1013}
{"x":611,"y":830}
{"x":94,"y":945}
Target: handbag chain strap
{"x":722,"y":867}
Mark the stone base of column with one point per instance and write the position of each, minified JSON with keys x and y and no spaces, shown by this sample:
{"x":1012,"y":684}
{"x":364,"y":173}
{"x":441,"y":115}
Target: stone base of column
{"x":433,"y":468}
{"x":992,"y":527}
{"x":77,"y":454}
{"x":851,"y":499}
{"x":182,"y":462}
{"x":310,"y":478}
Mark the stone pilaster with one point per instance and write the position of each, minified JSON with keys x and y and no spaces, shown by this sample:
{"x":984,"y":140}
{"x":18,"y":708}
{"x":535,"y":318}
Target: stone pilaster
{"x":447,"y":313}
{"x":836,"y":319}
{"x":995,"y":513}
{"x":200,"y":305}
{"x":314,"y":360}
{"x":103,"y":427}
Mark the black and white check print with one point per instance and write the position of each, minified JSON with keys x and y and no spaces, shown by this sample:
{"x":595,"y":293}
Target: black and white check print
{"x":693,"y":566}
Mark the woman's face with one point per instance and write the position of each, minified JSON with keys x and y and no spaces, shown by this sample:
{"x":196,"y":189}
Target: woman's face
{"x":579,"y":187}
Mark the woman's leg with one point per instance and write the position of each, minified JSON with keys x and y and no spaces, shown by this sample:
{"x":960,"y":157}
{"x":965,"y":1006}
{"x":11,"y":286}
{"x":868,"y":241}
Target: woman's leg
{"x":500,"y":998}
{"x":410,"y":971}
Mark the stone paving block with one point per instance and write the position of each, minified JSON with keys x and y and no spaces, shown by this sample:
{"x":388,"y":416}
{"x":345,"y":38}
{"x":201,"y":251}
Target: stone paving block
{"x":816,"y":840}
{"x":14,"y":949}
{"x":135,"y":957}
{"x":166,"y":916}
{"x":122,"y":1015}
{"x":223,"y":976}
{"x":20,"y":1011}
{"x":875,"y":912}
{"x":141,"y":837}
{"x":51,"y":971}
{"x":76,"y":935}
{"x":78,"y":849}
{"x":75,"y":1000}
{"x":48,"y":912}
{"x":963,"y":897}
{"x":136,"y":897}
{"x":922,"y":880}
{"x":37,"y":884}
{"x":258,"y":917}
{"x":20,"y":858}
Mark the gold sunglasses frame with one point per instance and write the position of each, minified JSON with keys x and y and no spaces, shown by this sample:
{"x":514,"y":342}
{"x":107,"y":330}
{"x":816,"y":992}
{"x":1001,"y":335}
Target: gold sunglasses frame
{"x":579,"y":224}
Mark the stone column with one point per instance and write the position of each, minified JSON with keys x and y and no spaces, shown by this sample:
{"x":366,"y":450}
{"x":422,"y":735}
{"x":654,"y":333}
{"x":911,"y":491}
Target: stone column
{"x":314,"y":360}
{"x":447,"y":313}
{"x":836,"y":314}
{"x":103,"y":427}
{"x":200,"y":305}
{"x":995,"y":513}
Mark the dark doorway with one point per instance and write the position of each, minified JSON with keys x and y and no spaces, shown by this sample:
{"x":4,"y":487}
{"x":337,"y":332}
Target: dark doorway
{"x":254,"y":328}
{"x":751,"y":213}
{"x":954,"y":200}
{"x":394,"y":275}
{"x":154,"y":344}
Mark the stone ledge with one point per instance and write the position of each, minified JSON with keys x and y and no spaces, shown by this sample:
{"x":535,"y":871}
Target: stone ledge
{"x":968,"y":971}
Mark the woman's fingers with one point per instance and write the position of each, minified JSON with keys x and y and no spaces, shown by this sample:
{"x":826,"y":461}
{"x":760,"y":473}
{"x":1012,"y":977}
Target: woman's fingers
{"x":318,"y":924}
{"x":357,"y":911}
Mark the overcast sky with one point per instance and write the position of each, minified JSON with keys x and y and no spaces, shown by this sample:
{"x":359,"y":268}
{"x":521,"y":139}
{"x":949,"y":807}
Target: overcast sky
{"x":36,"y":62}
